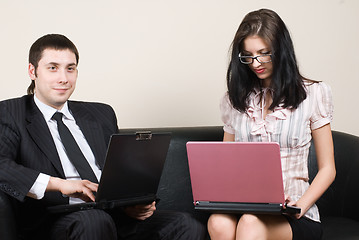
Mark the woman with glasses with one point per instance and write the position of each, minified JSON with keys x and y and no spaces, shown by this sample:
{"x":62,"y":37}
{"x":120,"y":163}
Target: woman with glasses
{"x":268,"y":100}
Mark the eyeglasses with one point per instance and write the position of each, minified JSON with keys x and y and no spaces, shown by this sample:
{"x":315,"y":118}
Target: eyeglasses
{"x":265,"y":58}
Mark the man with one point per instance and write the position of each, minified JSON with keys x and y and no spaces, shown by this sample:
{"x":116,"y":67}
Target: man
{"x":38,"y":171}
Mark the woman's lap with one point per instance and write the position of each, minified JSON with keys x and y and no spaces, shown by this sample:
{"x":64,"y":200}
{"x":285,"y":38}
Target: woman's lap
{"x":305,"y":228}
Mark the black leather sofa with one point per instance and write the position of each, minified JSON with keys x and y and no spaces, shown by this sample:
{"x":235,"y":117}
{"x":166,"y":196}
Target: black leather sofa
{"x":338,"y":206}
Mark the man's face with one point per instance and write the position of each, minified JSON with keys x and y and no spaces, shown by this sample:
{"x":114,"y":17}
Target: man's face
{"x":55,"y":77}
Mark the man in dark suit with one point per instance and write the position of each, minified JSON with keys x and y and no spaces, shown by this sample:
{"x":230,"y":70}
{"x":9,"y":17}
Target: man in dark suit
{"x":37,"y":170}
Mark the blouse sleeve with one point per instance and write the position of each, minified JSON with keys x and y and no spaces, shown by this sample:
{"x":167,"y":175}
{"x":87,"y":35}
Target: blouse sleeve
{"x":227,"y":114}
{"x":323,"y":106}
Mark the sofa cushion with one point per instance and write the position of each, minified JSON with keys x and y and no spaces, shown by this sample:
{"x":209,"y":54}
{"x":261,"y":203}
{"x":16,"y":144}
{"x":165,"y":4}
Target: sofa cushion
{"x":335,"y":228}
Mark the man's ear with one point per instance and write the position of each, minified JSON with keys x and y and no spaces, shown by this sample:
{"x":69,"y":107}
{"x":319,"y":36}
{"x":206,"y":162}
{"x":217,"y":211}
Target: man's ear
{"x":32,"y":71}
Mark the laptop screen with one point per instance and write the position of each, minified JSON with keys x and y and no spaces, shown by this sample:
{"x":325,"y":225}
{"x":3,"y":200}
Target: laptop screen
{"x":235,"y":172}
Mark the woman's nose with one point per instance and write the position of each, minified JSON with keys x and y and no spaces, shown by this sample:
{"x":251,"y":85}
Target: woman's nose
{"x":256,"y":63}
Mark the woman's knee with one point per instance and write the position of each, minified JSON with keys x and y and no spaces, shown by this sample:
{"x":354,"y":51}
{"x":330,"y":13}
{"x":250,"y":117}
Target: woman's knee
{"x":249,"y":220}
{"x":222,"y":226}
{"x":250,"y":226}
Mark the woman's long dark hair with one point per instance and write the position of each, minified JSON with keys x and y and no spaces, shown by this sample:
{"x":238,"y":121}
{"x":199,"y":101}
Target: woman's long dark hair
{"x":286,"y":82}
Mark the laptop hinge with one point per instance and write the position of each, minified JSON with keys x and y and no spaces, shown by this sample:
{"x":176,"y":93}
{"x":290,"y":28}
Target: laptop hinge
{"x":143,"y":135}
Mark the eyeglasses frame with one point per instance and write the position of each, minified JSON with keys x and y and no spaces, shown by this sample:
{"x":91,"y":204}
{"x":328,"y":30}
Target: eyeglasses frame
{"x":255,"y":57}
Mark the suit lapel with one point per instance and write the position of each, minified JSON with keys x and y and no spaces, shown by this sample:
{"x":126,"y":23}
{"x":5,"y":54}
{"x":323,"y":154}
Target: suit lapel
{"x":91,"y":130}
{"x":40,"y":133}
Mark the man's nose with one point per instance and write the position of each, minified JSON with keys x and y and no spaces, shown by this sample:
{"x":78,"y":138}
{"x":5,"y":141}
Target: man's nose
{"x":63,"y":78}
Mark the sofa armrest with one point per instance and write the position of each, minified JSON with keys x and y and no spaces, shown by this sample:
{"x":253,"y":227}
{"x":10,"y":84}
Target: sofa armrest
{"x":340,"y":198}
{"x":7,"y":218}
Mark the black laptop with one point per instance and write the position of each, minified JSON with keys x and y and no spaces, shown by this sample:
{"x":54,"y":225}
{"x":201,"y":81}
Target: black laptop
{"x":131,"y":174}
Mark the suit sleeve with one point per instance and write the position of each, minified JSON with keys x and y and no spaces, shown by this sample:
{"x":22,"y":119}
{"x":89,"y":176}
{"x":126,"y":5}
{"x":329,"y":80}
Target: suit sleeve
{"x":15,"y":179}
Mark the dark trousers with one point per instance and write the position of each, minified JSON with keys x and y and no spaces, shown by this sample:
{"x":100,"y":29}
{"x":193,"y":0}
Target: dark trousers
{"x":98,"y":225}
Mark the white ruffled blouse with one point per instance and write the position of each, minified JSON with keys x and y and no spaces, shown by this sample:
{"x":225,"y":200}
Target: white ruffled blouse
{"x":290,"y":128}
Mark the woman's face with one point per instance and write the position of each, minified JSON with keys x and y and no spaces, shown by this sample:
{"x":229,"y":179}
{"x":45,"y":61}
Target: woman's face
{"x":255,"y":46}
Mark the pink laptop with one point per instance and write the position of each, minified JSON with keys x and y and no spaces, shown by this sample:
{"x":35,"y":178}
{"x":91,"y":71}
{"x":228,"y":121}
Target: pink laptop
{"x":237,"y":177}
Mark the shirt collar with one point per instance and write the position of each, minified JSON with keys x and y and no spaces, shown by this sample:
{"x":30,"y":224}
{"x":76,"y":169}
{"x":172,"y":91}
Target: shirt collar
{"x":48,"y":111}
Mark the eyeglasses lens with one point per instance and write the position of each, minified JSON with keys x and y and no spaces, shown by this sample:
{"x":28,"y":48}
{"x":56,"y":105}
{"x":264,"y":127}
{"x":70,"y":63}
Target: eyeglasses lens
{"x":261,"y":59}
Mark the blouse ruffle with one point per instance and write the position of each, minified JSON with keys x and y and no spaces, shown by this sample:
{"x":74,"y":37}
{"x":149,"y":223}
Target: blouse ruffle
{"x":255,"y":111}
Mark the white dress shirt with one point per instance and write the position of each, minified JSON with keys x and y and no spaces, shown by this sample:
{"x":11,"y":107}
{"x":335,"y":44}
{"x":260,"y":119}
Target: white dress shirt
{"x":37,"y":191}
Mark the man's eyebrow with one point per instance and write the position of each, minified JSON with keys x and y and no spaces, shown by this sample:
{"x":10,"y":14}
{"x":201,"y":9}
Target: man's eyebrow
{"x":56,"y":64}
{"x":53,"y":63}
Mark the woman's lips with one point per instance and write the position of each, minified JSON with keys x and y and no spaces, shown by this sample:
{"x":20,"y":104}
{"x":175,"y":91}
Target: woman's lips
{"x":259,"y":71}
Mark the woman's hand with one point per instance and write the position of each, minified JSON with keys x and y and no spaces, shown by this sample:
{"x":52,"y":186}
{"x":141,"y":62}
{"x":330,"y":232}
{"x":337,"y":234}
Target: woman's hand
{"x":290,"y":202}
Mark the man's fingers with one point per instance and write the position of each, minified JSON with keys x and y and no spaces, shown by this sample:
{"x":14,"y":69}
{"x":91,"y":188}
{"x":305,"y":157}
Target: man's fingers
{"x":82,"y":189}
{"x":92,"y":186}
{"x":87,"y":192}
{"x":87,"y":189}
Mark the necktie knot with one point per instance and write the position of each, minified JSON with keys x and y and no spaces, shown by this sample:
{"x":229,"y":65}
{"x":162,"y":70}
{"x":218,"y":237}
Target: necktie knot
{"x":57,"y":116}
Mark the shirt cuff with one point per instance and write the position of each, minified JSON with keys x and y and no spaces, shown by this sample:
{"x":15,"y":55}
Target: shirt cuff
{"x":37,"y":190}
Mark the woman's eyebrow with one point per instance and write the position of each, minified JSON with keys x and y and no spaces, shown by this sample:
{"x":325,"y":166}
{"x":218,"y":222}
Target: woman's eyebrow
{"x":260,"y":50}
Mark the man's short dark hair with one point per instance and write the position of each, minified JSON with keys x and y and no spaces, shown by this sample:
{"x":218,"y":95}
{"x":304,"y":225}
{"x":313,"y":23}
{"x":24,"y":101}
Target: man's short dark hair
{"x":49,"y":41}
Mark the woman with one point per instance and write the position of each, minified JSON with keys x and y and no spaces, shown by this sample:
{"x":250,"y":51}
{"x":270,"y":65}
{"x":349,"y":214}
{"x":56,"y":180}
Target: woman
{"x":269,"y":100}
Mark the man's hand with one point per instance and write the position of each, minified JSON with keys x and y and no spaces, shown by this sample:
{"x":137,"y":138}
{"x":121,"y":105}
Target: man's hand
{"x":82,"y":189}
{"x":141,"y":212}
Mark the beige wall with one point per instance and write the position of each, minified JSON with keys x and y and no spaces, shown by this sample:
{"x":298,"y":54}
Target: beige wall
{"x":163,"y":62}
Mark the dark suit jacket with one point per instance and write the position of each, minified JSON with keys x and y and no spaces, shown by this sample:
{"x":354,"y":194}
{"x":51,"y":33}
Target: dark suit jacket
{"x":27,"y":148}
